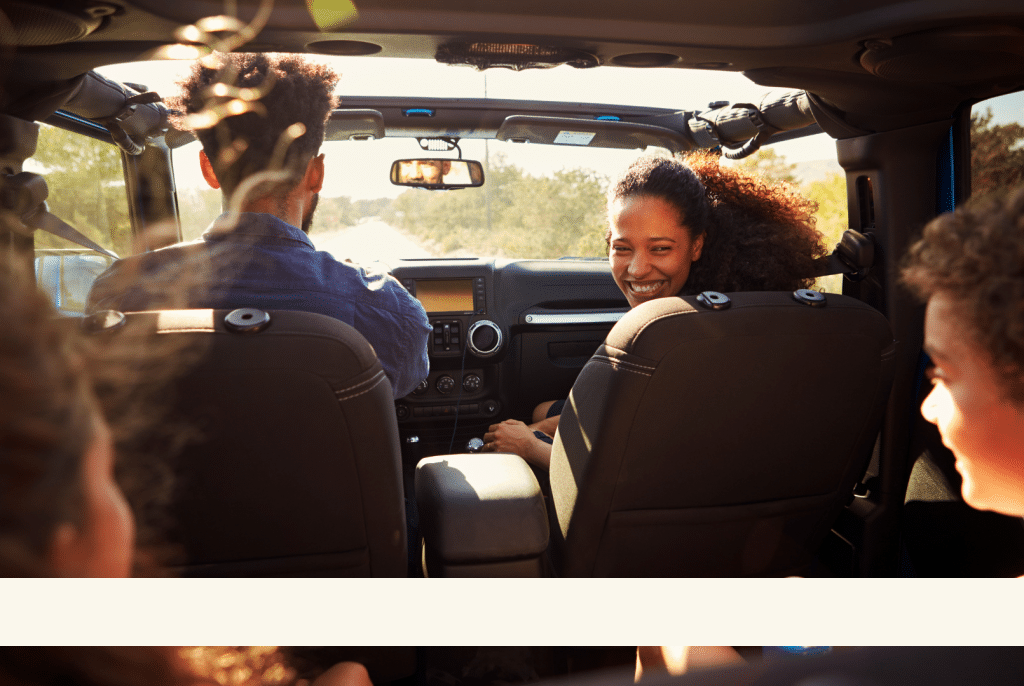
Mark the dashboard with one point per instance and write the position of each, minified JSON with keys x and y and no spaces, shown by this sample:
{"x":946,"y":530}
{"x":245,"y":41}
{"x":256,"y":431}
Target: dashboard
{"x":507,"y":335}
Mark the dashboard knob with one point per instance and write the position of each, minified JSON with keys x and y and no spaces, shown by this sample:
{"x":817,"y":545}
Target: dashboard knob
{"x":421,"y":388}
{"x":484,"y":338}
{"x":402,"y":411}
{"x":445,"y":384}
{"x":471,"y":382}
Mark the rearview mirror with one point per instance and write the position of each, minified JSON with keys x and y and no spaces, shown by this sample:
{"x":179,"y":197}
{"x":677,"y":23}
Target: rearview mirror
{"x":437,"y":174}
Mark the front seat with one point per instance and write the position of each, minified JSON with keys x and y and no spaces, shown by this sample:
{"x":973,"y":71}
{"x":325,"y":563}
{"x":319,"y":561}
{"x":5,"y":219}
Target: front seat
{"x":718,"y":435}
{"x":296,"y":467}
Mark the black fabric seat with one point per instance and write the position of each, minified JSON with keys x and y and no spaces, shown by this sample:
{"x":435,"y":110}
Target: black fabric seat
{"x":700,"y":442}
{"x":296,"y":470}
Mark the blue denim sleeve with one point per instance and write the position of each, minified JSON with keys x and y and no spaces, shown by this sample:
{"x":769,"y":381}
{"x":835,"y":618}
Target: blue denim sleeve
{"x":406,"y":361}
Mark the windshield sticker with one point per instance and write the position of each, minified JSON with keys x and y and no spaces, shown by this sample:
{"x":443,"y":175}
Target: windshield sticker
{"x":574,"y":138}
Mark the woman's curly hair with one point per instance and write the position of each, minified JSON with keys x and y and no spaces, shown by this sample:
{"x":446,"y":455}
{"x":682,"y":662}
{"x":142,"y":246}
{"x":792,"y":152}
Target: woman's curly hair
{"x":975,"y":255}
{"x":278,"y":91}
{"x":758,"y":236}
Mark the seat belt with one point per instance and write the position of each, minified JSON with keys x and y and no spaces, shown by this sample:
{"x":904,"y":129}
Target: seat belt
{"x":53,"y":224}
{"x":853,"y":257}
{"x":24,"y":194}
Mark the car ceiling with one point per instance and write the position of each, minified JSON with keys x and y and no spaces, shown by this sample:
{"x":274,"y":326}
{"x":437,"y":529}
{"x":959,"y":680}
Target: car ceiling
{"x":877,"y":64}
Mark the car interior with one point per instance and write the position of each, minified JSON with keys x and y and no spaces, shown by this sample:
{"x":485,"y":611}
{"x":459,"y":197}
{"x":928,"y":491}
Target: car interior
{"x":737,"y":434}
{"x":613,"y":666}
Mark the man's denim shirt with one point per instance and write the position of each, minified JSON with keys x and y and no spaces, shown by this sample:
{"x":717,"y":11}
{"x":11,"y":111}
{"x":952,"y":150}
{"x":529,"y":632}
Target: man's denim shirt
{"x":266,"y":263}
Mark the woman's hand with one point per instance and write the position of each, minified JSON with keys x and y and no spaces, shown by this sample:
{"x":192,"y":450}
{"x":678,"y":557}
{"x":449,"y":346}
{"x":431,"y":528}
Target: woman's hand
{"x":513,"y":436}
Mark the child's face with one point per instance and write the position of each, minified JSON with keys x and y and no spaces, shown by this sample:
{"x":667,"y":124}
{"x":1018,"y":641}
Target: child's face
{"x":982,"y":427}
{"x":102,"y":544}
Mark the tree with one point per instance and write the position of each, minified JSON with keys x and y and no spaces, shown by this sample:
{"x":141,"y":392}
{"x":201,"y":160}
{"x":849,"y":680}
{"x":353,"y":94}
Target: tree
{"x":531,"y":216}
{"x":334,"y":213}
{"x":831,"y":219}
{"x":87,"y":189}
{"x":769,"y":165}
{"x":997,"y":155}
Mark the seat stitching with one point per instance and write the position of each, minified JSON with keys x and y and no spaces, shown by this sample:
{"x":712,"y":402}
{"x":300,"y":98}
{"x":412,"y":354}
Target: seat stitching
{"x":360,"y":384}
{"x":623,"y":362}
{"x":187,"y":330}
{"x":632,"y":340}
{"x":375,"y":381}
{"x":616,"y":366}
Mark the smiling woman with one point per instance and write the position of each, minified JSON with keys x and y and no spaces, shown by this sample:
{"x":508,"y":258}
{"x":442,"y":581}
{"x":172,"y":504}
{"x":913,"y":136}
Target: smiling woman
{"x":705,"y":227}
{"x":652,"y":247}
{"x":680,"y":228}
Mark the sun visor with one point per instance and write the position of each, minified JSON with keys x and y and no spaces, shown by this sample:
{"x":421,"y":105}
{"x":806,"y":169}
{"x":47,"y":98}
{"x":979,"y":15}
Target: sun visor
{"x":355,"y":125}
{"x":591,"y":133}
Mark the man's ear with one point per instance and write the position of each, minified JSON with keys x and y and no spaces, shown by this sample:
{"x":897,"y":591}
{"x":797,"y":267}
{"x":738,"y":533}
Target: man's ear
{"x":314,"y":178}
{"x":207,"y":169}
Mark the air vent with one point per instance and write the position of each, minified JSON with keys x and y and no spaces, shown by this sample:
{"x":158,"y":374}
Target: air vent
{"x":515,"y":56}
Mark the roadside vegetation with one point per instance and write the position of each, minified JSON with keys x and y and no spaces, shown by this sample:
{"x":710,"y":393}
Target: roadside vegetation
{"x":515,"y":214}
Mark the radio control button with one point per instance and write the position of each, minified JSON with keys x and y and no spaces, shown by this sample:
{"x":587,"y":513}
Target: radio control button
{"x":445,"y":384}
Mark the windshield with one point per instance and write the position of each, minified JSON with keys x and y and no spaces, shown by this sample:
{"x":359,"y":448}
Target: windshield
{"x":537,"y":201}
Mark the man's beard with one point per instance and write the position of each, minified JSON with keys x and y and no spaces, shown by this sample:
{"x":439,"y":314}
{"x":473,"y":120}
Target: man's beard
{"x":307,"y":221}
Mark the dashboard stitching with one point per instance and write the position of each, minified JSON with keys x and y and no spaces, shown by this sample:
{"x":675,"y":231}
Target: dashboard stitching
{"x":374,"y":381}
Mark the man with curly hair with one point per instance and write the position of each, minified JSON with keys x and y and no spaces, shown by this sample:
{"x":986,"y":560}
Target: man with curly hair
{"x":969,"y":267}
{"x":261,"y":120}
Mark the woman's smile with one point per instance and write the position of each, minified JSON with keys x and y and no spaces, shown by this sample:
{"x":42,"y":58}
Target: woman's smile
{"x":650,"y":249}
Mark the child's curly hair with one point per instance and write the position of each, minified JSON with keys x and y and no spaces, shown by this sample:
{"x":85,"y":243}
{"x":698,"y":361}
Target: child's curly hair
{"x":976,"y":256}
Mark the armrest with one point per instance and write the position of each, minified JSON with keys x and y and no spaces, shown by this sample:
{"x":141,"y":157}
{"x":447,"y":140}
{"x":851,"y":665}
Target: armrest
{"x":480,"y":511}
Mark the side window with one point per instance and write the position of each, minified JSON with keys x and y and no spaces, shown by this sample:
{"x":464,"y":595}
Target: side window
{"x":87,"y":190}
{"x":198,"y":204}
{"x":997,"y":145}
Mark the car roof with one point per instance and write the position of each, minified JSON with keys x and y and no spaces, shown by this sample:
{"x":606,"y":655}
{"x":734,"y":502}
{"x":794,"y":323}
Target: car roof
{"x":876,"y":64}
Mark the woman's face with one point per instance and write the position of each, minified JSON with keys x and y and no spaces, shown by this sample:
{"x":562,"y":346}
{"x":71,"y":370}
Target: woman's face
{"x":650,"y":251}
{"x":983,"y":428}
{"x":102,"y":544}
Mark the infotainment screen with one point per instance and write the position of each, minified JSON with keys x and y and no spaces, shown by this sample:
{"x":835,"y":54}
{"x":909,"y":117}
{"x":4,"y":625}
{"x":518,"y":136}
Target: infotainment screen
{"x":450,"y":295}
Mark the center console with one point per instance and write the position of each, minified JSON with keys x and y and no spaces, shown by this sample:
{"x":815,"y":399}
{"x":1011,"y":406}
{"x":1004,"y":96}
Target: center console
{"x":464,"y":345}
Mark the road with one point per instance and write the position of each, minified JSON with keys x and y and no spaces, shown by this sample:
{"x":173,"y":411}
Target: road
{"x":369,"y":242}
